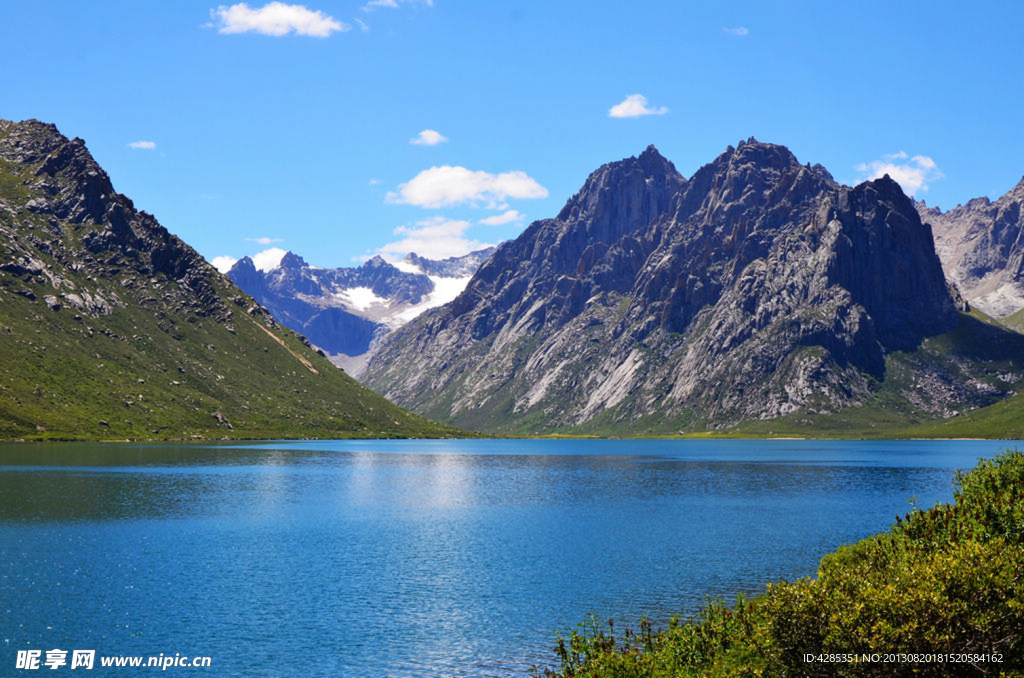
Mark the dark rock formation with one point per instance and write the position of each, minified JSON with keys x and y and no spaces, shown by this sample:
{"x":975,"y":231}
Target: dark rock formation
{"x":757,"y":288}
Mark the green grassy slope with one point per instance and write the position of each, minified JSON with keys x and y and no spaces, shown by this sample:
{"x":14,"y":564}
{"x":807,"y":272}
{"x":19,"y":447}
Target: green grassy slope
{"x":175,"y":351}
{"x":124,"y":376}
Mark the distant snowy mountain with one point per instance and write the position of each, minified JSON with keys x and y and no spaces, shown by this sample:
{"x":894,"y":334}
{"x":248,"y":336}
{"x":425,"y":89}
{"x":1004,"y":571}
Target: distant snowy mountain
{"x":346,"y":311}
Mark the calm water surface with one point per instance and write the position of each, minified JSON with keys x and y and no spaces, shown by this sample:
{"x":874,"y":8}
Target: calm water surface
{"x":413,"y":558}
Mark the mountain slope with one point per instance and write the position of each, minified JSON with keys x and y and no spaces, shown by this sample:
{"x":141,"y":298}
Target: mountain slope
{"x":981,"y":245}
{"x":758,"y":288}
{"x":345,"y":311}
{"x":111,"y":327}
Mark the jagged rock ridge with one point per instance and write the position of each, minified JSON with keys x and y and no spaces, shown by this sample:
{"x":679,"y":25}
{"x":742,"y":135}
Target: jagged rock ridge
{"x":981,"y":245}
{"x":346,"y":311}
{"x":111,"y":327}
{"x":757,"y":288}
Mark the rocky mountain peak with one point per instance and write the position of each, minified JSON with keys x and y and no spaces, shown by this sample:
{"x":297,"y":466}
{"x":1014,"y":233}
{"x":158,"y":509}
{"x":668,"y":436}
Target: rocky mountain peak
{"x":376,"y":261}
{"x":1018,"y":191}
{"x":65,"y":169}
{"x":292,"y":261}
{"x":244,"y":264}
{"x":627,"y":193}
{"x":69,"y":186}
{"x":821,"y":171}
{"x":744,"y":180}
{"x":762,"y":155}
{"x":765,"y":288}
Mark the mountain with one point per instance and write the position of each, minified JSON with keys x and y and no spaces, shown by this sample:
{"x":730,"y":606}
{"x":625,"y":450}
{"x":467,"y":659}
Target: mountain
{"x":981,"y":245}
{"x":111,"y":327}
{"x":758,"y":288}
{"x":346,"y":311}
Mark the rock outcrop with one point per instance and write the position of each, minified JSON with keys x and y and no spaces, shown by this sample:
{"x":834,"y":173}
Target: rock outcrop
{"x":981,"y":245}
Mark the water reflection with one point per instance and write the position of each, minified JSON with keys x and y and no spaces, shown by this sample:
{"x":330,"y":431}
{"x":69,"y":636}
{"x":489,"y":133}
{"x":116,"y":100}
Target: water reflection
{"x":419,"y":558}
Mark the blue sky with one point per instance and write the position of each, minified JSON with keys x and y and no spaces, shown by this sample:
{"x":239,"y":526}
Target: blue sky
{"x":303,"y":140}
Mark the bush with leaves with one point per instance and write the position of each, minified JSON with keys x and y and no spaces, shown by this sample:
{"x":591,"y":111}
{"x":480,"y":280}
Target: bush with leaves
{"x":949,"y":580}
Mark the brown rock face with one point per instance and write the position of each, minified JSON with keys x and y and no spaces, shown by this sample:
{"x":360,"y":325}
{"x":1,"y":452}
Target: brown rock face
{"x":758,"y":287}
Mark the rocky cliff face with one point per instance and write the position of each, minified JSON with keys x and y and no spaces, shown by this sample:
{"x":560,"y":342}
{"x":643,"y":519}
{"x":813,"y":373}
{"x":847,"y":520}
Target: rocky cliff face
{"x":345,"y":311}
{"x":112,"y":327}
{"x":757,"y":288}
{"x":981,"y":245}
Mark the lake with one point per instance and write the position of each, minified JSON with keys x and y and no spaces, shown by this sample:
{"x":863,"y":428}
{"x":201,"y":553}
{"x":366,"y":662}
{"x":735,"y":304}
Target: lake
{"x":419,"y":558}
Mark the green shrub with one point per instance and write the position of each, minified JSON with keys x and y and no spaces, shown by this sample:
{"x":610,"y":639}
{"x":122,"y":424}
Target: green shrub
{"x":949,"y":580}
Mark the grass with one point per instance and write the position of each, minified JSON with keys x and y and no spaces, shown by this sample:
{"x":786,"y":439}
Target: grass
{"x":949,"y":581}
{"x":128,"y":376}
{"x":182,"y":355}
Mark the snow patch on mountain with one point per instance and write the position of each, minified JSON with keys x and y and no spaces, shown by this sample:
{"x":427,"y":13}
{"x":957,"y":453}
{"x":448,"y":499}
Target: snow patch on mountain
{"x":360,"y":298}
{"x":445,"y":290}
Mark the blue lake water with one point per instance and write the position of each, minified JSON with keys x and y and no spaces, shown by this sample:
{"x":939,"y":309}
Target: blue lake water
{"x":419,"y":558}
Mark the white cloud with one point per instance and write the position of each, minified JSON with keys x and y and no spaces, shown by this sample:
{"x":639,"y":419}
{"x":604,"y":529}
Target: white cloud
{"x":428,"y":137}
{"x":434,"y":238}
{"x":265,"y":261}
{"x":435,"y":227}
{"x":508,"y":217}
{"x":738,"y":31}
{"x":374,"y":182}
{"x":275,"y":18}
{"x":447,"y":185}
{"x":264,"y":240}
{"x":224,"y":263}
{"x":393,"y":4}
{"x":142,"y":145}
{"x":913,"y":176}
{"x":363,"y":26}
{"x":634,"y":106}
{"x":269,"y":259}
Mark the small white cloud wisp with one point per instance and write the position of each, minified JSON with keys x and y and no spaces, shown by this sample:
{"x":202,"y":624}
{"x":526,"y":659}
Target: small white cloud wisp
{"x":265,"y":261}
{"x":428,"y":137}
{"x":635,"y":106}
{"x":509,"y":217}
{"x":275,"y":19}
{"x":394,"y":4}
{"x":142,"y":145}
{"x":434,"y":238}
{"x":913,"y":174}
{"x":737,"y":31}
